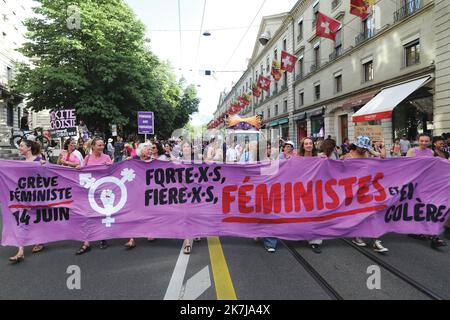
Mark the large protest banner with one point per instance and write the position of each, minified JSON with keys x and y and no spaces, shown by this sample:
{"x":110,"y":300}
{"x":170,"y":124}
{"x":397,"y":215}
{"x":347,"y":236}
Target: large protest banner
{"x":306,"y":198}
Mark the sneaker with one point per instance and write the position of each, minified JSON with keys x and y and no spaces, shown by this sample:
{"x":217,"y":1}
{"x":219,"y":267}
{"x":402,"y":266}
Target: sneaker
{"x":378,"y":247}
{"x":316,"y":248}
{"x":103,"y":244}
{"x":271,"y":250}
{"x":359,"y":242}
{"x":447,"y":233}
{"x":437,"y":242}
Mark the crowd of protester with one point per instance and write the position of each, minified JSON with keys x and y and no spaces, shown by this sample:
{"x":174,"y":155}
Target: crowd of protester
{"x":84,"y":152}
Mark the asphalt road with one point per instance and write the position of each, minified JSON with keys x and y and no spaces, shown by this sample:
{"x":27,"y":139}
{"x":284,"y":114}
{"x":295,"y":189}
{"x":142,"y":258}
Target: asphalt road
{"x":227,"y":269}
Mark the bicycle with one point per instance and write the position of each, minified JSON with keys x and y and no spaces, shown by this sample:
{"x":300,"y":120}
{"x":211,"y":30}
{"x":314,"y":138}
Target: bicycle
{"x":34,"y":135}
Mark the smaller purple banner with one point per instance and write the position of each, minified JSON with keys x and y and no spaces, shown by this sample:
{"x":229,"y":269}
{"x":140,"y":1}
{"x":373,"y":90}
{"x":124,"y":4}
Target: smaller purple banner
{"x":146,"y":123}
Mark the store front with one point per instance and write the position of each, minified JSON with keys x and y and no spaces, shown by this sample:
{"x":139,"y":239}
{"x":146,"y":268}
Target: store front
{"x":302,"y":126}
{"x":408,"y":107}
{"x":317,"y":123}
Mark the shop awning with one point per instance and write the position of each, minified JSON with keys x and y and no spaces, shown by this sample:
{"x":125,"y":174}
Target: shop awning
{"x":301,"y":116}
{"x":273,"y":124}
{"x":283,"y":121}
{"x":382,"y":105}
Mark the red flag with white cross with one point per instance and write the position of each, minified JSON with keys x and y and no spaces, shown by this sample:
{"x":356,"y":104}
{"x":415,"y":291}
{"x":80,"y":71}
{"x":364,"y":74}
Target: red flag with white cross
{"x":327,"y":27}
{"x":264,"y":83}
{"x":288,"y":61}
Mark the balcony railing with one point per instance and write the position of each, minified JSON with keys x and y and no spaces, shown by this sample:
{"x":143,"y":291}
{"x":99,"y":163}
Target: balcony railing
{"x":299,"y":38}
{"x":299,"y":76}
{"x":336,"y":54}
{"x":410,"y":8}
{"x":364,"y":36}
{"x":314,"y":67}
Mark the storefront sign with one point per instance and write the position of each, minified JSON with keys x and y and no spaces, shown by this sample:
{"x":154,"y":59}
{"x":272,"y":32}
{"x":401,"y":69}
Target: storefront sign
{"x":374,"y":132}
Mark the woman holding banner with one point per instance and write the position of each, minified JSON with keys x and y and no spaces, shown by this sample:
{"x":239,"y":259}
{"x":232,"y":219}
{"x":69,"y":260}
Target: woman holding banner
{"x":97,"y":158}
{"x":188,"y":156}
{"x":424,"y":151}
{"x":31,"y":151}
{"x":143,"y":153}
{"x":360,"y":149}
{"x":308,"y":149}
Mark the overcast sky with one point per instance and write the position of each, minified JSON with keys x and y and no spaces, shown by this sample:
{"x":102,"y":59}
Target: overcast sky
{"x":211,"y":53}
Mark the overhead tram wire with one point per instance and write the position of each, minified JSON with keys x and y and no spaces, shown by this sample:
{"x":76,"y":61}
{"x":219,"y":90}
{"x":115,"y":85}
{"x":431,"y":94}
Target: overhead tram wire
{"x":245,"y":34}
{"x":200,"y":35}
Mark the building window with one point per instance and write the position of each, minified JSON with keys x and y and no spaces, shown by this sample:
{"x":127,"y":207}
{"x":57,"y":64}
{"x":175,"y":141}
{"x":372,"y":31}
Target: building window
{"x":315,"y":14}
{"x":317,"y":92}
{"x":338,"y":42}
{"x":412,"y":53}
{"x":301,"y":99}
{"x":300,"y":31}
{"x":285,"y":107}
{"x":284,"y":45}
{"x":268,"y":65}
{"x":268,"y":113}
{"x":8,"y":73}
{"x":317,"y":56}
{"x":300,"y":67}
{"x":368,"y":71}
{"x":338,"y":83}
{"x":276,"y":110}
{"x":275,"y":54}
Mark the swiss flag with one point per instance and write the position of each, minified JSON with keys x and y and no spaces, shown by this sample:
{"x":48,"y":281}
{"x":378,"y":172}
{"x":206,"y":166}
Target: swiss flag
{"x":288,"y":61}
{"x":264,"y":83}
{"x":327,"y":27}
{"x":360,"y":8}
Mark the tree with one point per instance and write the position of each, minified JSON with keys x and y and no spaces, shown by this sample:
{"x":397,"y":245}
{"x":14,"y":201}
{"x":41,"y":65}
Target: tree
{"x":102,"y":69}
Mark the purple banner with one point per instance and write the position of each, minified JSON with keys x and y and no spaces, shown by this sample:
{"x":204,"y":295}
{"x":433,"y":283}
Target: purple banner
{"x":306,"y":198}
{"x":146,"y":123}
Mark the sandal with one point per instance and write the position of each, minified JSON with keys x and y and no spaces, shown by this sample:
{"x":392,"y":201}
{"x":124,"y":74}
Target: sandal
{"x":38,"y":248}
{"x":17,"y":258}
{"x":187,"y":249}
{"x":130,"y":245}
{"x":83,"y":250}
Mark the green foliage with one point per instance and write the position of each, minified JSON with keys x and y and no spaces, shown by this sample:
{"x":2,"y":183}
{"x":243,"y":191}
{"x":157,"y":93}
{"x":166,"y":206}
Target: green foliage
{"x":104,"y":69}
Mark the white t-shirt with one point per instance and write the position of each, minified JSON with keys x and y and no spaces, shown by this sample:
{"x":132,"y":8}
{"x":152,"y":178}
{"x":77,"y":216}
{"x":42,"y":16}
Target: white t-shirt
{"x":79,"y":156}
{"x":232,"y":155}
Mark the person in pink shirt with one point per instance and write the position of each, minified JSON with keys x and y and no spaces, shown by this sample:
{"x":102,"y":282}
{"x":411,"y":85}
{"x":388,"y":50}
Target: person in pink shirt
{"x":97,"y":158}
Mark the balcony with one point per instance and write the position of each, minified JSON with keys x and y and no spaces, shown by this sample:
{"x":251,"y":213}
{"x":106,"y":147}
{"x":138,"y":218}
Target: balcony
{"x":364,"y":36}
{"x":299,"y":76}
{"x":313,"y":68}
{"x":409,"y":9}
{"x":299,"y":38}
{"x":336,"y":54}
{"x":335,"y":4}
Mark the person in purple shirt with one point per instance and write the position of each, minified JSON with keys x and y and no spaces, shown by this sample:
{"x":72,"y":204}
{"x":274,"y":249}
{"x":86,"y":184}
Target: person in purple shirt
{"x":423,"y":151}
{"x":31,"y":151}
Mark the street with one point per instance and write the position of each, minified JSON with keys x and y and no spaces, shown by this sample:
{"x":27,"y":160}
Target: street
{"x":159,"y":270}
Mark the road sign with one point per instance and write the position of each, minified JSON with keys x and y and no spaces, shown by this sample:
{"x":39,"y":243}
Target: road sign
{"x":146,"y":124}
